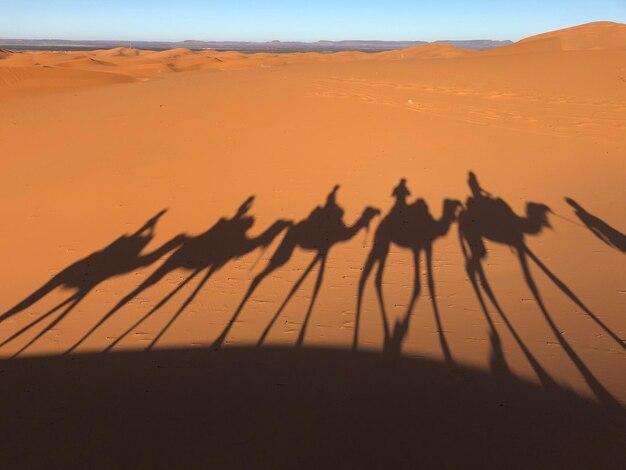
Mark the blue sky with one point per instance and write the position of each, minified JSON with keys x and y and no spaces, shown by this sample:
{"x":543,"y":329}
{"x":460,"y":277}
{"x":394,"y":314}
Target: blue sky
{"x":312,"y":20}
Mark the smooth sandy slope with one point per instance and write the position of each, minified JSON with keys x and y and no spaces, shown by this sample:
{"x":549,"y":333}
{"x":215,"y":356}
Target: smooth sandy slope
{"x":94,"y":144}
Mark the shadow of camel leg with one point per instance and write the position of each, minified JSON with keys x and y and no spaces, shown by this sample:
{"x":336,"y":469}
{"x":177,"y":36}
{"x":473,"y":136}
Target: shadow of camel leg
{"x":38,"y":320}
{"x":417,"y":283}
{"x":445,"y":349}
{"x":77,"y":299}
{"x":152,"y":310}
{"x":594,"y":384}
{"x":498,"y":359}
{"x":473,"y":266}
{"x":287,"y":299}
{"x":541,"y":373}
{"x":574,"y":298}
{"x":279,"y":258}
{"x":32,"y":298}
{"x":401,"y":328}
{"x":367,"y":269}
{"x":379,"y":293}
{"x":183,"y":306}
{"x":318,"y":285}
{"x":543,"y":376}
{"x":155,"y":277}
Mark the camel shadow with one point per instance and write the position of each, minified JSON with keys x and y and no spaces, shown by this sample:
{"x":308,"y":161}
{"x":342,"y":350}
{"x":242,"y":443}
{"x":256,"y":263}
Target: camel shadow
{"x":211,"y":250}
{"x":409,"y":226}
{"x":122,"y":256}
{"x":609,"y":235}
{"x":319,"y":232}
{"x":487,"y":218}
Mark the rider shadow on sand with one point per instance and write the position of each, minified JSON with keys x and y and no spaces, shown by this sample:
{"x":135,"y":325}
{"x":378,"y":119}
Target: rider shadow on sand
{"x":486,"y":217}
{"x":609,"y":235}
{"x":319,"y":232}
{"x":122,"y":256}
{"x":409,"y":226}
{"x":209,"y":251}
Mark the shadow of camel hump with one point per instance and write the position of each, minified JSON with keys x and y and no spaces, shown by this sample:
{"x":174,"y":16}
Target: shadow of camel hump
{"x":224,"y":241}
{"x":409,"y":226}
{"x":488,"y":218}
{"x":122,"y":256}
{"x":609,"y":235}
{"x":319,"y":232}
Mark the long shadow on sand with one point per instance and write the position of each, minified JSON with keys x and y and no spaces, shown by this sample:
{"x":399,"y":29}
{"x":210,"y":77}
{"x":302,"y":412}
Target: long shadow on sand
{"x":209,"y":251}
{"x":609,"y":235}
{"x":122,"y":256}
{"x":288,"y":408}
{"x":319,"y":232}
{"x":488,"y":218}
{"x":409,"y":226}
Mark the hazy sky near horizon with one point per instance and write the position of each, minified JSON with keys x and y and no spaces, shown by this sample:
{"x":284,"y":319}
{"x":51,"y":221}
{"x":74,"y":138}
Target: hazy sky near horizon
{"x":249,"y":20}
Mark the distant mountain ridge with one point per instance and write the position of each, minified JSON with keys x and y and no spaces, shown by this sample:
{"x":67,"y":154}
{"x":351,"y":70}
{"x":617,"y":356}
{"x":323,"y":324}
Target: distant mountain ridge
{"x":244,"y":46}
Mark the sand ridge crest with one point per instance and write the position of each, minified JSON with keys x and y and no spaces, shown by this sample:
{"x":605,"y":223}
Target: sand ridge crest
{"x":600,"y":35}
{"x":604,"y":35}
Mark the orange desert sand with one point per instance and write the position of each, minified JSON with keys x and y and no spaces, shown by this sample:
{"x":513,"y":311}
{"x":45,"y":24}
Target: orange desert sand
{"x":94,"y":144}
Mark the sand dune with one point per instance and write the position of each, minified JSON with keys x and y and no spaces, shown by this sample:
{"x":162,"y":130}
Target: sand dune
{"x":133,"y":64}
{"x":428,"y":51}
{"x":603,"y":35}
{"x":47,"y":79}
{"x":120,"y":52}
{"x":96,"y":145}
{"x":171,"y":54}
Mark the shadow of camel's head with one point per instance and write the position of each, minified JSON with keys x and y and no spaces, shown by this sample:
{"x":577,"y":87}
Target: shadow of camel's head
{"x":539,"y":212}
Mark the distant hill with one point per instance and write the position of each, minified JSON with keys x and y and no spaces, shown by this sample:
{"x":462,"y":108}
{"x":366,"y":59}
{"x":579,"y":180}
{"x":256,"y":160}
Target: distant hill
{"x":242,"y":46}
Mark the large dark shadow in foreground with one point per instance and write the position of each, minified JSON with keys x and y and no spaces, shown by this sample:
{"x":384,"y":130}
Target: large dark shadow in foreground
{"x":291,"y":408}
